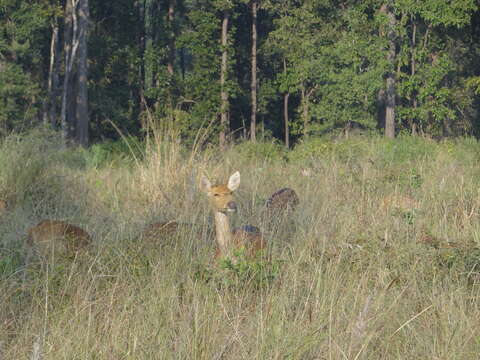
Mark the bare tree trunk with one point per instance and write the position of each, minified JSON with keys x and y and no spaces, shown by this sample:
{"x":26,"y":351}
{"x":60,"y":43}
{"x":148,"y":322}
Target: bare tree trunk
{"x":414,"y":95}
{"x":305,"y":110}
{"x":305,"y":113}
{"x":223,"y":76}
{"x":390,"y":88}
{"x":171,"y":39}
{"x":285,"y":110}
{"x":141,"y":67}
{"x":69,"y":56}
{"x":49,"y":115}
{"x":82,"y":119}
{"x":149,"y":73}
{"x":253,"y":121}
{"x":182,"y":62}
{"x":285,"y":115}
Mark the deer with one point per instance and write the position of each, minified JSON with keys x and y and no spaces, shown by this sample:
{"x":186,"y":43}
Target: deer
{"x":283,"y":201}
{"x":223,"y":204}
{"x":3,"y":207}
{"x":167,"y":228}
{"x":55,"y":235}
{"x":399,"y":202}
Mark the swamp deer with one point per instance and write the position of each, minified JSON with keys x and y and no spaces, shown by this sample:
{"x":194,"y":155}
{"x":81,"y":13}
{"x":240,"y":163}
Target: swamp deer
{"x":222,"y":202}
{"x":3,"y":207}
{"x":167,"y":229}
{"x":56,"y":236}
{"x":283,"y":201}
{"x":399,"y":202}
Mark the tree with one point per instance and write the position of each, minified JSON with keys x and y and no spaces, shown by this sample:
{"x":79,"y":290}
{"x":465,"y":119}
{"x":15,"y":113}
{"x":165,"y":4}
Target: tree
{"x":224,"y":121}
{"x":390,"y":92}
{"x":23,"y":29}
{"x":74,"y":112}
{"x":253,"y":119}
{"x":82,"y":116}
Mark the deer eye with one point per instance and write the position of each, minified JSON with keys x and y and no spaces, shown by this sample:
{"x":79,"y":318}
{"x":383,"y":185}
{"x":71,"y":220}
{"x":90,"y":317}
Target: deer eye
{"x":216,"y":194}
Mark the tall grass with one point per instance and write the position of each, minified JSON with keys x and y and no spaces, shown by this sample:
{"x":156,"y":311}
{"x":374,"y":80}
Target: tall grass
{"x":354,"y":280}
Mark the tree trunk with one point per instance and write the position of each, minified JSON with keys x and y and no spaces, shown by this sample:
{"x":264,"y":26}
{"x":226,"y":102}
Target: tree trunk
{"x":285,"y":116}
{"x":253,"y":121}
{"x":49,"y":116}
{"x":285,"y":110}
{"x":414,"y":93}
{"x":305,"y":110}
{"x":171,"y":38}
{"x":223,"y":76}
{"x":390,"y":83}
{"x":182,"y":62}
{"x":141,"y":66}
{"x":82,"y":120}
{"x":69,"y":56}
{"x":148,"y":58}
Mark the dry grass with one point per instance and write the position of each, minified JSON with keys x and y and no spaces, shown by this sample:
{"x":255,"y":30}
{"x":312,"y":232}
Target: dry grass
{"x":355,"y":281}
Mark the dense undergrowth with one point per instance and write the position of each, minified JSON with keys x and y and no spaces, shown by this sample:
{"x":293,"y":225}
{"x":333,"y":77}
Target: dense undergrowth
{"x":354,"y":274}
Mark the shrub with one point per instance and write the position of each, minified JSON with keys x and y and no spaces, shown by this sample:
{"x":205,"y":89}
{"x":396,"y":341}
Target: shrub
{"x":263,"y":151}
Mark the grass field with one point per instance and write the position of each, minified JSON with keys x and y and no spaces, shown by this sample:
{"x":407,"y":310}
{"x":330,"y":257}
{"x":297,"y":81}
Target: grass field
{"x":380,"y":260}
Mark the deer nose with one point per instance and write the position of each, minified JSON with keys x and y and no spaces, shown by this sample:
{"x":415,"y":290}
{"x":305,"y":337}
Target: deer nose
{"x":232,"y":206}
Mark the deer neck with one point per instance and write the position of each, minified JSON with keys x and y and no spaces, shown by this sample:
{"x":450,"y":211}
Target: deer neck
{"x":223,"y":232}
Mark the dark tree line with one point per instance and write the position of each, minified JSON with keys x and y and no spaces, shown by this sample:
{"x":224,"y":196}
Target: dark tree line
{"x":286,"y":69}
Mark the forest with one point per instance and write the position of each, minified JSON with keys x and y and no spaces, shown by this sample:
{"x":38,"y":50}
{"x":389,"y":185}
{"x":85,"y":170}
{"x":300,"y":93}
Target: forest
{"x":227,"y":70}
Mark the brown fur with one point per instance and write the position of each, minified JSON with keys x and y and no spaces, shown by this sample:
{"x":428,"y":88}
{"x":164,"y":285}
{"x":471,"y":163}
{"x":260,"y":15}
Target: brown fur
{"x":67,"y":239}
{"x":160,"y":229}
{"x":221,"y":198}
{"x":282,"y":201}
{"x":399,"y":202}
{"x":252,"y":241}
{"x":3,"y":207}
{"x":163,"y":230}
{"x":222,"y":203}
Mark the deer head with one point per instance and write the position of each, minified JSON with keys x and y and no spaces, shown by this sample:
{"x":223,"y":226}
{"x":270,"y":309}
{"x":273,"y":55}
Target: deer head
{"x":221,"y":196}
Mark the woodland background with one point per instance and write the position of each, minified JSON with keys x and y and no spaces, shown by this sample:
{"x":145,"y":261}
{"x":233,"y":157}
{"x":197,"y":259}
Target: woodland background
{"x":230,"y":69}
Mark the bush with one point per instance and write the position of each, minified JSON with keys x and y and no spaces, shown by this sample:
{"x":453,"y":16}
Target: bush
{"x":263,"y":151}
{"x":111,"y":152}
{"x":343,"y":150}
{"x":241,"y":270}
{"x":25,"y":162}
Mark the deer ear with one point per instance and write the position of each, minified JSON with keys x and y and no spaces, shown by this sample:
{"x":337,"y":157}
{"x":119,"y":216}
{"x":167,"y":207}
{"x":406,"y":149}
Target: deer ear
{"x":234,"y":181}
{"x":205,"y":184}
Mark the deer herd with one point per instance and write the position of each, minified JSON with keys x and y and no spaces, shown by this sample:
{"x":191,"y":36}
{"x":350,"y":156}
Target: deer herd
{"x":68,"y":240}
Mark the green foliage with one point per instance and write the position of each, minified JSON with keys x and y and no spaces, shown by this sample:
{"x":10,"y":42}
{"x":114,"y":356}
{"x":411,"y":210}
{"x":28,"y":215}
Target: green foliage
{"x":320,"y":147}
{"x":260,"y":151}
{"x":26,"y":161}
{"x":114,"y":152}
{"x":330,"y":57}
{"x":10,"y":261}
{"x":23,"y":25}
{"x":241,"y":271}
{"x":406,"y":149}
{"x":32,"y":176}
{"x":464,"y":260}
{"x":17,"y":92}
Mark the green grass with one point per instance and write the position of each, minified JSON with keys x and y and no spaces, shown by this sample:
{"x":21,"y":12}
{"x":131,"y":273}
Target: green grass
{"x":349,"y":279}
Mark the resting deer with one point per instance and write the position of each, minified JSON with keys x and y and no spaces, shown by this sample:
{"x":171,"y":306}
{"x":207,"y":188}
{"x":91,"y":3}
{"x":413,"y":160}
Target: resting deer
{"x":155,"y":230}
{"x":3,"y":207}
{"x":58,"y":236}
{"x":399,"y":202}
{"x":222,"y":203}
{"x":283,"y":201}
